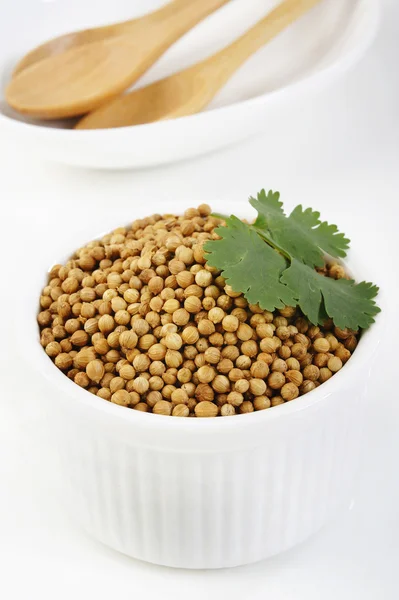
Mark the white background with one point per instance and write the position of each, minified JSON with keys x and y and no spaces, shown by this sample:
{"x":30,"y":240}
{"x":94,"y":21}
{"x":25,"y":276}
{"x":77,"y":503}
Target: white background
{"x":339,"y":153}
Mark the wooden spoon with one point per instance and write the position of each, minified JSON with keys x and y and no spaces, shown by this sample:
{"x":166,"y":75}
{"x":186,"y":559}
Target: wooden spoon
{"x":189,"y":91}
{"x":76,"y":73}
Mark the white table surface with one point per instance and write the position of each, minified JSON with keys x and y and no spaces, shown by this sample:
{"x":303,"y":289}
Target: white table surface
{"x":347,"y":165}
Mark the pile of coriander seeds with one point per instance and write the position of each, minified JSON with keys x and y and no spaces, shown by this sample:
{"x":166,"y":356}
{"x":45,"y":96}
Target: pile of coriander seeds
{"x":139,"y":319}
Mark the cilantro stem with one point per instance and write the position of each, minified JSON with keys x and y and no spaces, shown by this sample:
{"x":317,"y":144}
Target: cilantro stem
{"x":272,"y":243}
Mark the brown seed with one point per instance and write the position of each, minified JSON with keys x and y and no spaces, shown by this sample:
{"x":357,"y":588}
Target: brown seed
{"x":141,"y":363}
{"x":91,"y":326}
{"x":257,"y":387}
{"x":243,"y":362}
{"x":116,"y":383}
{"x":298,"y":351}
{"x":106,"y":323}
{"x":70,"y":285}
{"x":321,"y":345}
{"x":259,"y":370}
{"x":221,"y":384}
{"x":276,"y":400}
{"x":104,"y":393}
{"x":216,"y":315}
{"x":246,"y":407}
{"x":235,"y":398}
{"x":141,"y":406}
{"x":140,"y":385}
{"x":293,"y":364}
{"x":294,"y":377}
{"x":307,"y":386}
{"x":101,"y":346}
{"x":146,"y":341}
{"x":350,"y":343}
{"x":289,"y":391}
{"x":206,"y":327}
{"x":227,"y":410}
{"x":53,"y":349}
{"x":95,"y":370}
{"x":82,"y":379}
{"x":140,"y":326}
{"x":173,"y":358}
{"x":321,"y":359}
{"x":121,"y":397}
{"x":249,"y":348}
{"x":167,"y":391}
{"x":279,"y":365}
{"x":268,"y":345}
{"x":131,"y":295}
{"x":180,"y":410}
{"x":311,"y":372}
{"x":173,"y":341}
{"x":337,"y":271}
{"x":170,"y":306}
{"x":244,"y":332}
{"x":153,"y":397}
{"x":192,"y":304}
{"x":127,"y":372}
{"x":206,"y":409}
{"x":66,"y":346}
{"x":261,"y":402}
{"x":203,"y":278}
{"x":276,"y":380}
{"x":203,"y":391}
{"x":179,"y":396}
{"x":342,"y":334}
{"x":63,"y":361}
{"x":155,"y":382}
{"x":334,"y":364}
{"x":230,"y":323}
{"x":235,"y":374}
{"x":283,"y":332}
{"x":185,"y":278}
{"x":163,"y":407}
{"x":212,"y":355}
{"x":83,"y":357}
{"x":325,"y":374}
{"x":266,"y":358}
{"x":190,"y":335}
{"x":225,"y":365}
{"x":73,"y":325}
{"x":79,"y":338}
{"x":241,"y":386}
{"x":184,"y":375}
{"x":342,"y":353}
{"x":181,"y":317}
{"x":157,"y":352}
{"x":206,"y":374}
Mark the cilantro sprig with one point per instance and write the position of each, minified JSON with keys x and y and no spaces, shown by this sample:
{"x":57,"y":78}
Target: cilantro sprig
{"x":273,"y":263}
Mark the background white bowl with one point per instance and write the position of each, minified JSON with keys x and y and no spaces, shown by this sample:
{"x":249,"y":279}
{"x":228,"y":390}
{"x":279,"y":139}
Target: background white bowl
{"x":320,"y":46}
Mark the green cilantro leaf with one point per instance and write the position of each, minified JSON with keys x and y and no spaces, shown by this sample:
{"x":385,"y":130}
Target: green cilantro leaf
{"x":301,"y":234}
{"x":249,"y":265}
{"x":254,"y":260}
{"x":348,"y":304}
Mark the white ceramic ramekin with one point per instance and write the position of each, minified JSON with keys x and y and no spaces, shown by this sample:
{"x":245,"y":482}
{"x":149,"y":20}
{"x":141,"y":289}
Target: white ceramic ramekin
{"x":204,"y":493}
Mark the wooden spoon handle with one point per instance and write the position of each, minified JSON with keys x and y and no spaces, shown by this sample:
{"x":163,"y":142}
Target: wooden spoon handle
{"x":174,"y":18}
{"x":223,"y":64}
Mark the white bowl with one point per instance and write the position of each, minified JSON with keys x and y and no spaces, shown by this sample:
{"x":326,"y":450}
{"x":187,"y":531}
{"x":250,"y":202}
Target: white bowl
{"x":311,"y":53}
{"x":200,"y":493}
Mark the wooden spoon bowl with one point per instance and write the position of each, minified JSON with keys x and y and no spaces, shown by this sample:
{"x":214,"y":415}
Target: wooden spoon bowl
{"x":76,"y":73}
